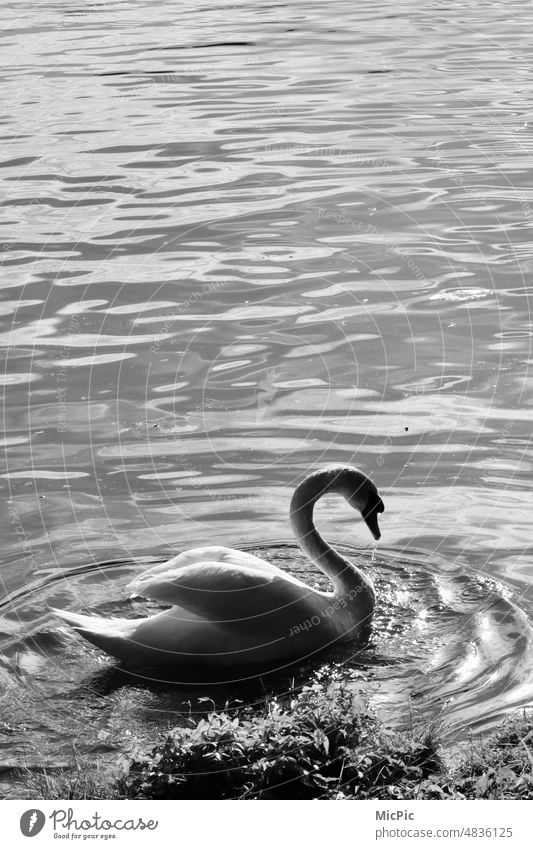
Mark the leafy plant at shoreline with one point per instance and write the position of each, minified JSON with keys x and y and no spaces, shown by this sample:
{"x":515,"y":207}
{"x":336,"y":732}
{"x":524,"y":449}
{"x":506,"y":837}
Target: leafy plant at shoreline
{"x":321,"y":745}
{"x":500,"y":767}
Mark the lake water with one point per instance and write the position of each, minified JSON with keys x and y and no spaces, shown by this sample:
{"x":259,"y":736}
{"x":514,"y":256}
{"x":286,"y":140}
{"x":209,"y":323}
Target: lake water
{"x":241,"y":241}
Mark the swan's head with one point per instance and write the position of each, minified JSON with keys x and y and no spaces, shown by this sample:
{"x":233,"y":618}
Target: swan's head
{"x":370,"y":513}
{"x":359,"y":491}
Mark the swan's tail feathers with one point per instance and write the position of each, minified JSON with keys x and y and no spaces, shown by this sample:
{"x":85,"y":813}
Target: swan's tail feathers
{"x":107,"y":634}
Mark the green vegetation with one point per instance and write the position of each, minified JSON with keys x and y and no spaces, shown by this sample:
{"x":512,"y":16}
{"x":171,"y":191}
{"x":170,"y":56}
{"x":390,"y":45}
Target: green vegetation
{"x":499,"y":766}
{"x":82,"y":781}
{"x":322,"y":744}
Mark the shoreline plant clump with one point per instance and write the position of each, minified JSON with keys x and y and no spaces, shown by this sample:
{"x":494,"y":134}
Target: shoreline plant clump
{"x":320,"y":745}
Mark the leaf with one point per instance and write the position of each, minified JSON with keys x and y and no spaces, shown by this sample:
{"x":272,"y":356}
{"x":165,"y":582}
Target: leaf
{"x":482,"y":784}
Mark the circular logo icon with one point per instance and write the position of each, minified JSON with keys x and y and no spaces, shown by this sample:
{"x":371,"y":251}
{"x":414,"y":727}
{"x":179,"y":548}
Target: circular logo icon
{"x":32,"y":822}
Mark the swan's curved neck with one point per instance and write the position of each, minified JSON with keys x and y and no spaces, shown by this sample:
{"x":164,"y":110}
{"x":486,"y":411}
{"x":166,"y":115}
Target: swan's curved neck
{"x":345,"y":577}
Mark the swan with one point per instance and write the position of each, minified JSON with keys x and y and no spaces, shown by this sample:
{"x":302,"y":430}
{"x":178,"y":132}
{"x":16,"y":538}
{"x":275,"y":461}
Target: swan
{"x":230,"y":608}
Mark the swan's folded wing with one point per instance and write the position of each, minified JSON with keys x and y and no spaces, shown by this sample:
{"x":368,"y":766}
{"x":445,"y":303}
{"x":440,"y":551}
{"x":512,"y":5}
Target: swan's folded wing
{"x":224,"y":593}
{"x":209,"y":553}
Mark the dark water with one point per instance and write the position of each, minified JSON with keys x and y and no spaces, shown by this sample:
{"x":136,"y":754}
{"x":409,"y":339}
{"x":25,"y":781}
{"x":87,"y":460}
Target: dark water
{"x":240,"y":241}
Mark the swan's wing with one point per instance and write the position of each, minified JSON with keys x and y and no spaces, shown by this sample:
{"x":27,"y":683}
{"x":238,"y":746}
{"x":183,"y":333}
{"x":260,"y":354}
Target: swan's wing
{"x":222,"y":592}
{"x":208,"y":553}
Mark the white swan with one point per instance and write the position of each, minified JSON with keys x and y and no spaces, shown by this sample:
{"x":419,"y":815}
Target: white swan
{"x":230,"y":608}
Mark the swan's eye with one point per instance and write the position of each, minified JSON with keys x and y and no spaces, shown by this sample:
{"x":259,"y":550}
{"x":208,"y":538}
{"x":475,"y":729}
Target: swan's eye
{"x":373,"y":506}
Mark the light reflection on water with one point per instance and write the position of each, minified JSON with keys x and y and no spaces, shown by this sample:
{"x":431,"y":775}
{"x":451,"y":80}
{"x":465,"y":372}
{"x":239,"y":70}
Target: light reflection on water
{"x":224,"y":266}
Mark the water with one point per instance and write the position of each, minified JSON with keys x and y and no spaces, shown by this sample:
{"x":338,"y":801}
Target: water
{"x":239,"y":243}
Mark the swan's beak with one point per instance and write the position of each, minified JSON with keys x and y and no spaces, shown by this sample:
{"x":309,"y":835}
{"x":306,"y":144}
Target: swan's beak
{"x":370,"y":515}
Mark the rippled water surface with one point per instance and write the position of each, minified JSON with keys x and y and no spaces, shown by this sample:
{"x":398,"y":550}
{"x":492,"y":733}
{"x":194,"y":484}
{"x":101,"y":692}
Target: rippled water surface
{"x":240,"y":241}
